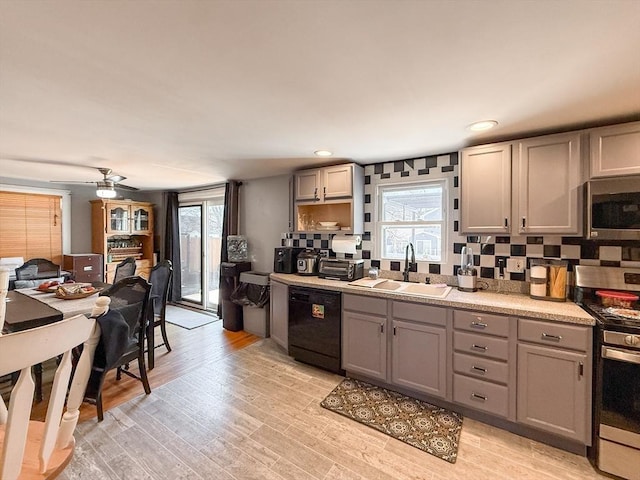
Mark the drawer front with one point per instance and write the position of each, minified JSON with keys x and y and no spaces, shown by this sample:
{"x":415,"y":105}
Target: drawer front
{"x":419,"y":313}
{"x":88,"y":277}
{"x":555,"y":334}
{"x":481,"y":345}
{"x":480,"y":395}
{"x":482,"y":368}
{"x":481,"y":322}
{"x":357,"y":303}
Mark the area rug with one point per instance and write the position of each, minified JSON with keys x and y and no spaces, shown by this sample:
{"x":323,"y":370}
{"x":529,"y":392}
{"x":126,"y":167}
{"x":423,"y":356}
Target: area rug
{"x":420,"y":424}
{"x":186,"y":318}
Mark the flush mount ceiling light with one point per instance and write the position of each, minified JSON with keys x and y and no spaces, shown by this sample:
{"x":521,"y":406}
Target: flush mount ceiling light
{"x":323,"y":153}
{"x":106,"y":189}
{"x":483,"y":125}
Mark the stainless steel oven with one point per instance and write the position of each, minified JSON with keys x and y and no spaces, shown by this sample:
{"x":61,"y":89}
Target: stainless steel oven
{"x":613,"y":211}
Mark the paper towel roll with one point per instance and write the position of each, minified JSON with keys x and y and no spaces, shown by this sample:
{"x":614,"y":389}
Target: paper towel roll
{"x":345,"y":243}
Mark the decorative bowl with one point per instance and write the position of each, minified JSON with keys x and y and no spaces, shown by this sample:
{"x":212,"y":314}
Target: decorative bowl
{"x":328,"y":224}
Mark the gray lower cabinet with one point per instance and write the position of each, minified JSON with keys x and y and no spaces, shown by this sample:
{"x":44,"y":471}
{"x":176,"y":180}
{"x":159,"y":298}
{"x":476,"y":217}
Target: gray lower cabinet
{"x":554,"y":384}
{"x":279,"y":314}
{"x":364,"y":344}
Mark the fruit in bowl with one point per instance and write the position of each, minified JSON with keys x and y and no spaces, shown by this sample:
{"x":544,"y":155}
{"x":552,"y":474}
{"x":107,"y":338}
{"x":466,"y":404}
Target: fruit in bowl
{"x":47,"y":285}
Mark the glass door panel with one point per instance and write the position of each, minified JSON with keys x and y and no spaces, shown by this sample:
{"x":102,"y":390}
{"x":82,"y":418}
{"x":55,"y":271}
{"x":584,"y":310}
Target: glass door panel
{"x":190,"y":224}
{"x":215,"y":212}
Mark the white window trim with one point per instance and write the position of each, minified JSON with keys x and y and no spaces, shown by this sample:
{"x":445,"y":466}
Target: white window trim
{"x":377,"y":234}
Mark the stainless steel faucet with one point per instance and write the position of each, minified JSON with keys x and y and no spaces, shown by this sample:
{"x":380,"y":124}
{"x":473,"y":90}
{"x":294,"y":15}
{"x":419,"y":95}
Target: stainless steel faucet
{"x":408,"y":264}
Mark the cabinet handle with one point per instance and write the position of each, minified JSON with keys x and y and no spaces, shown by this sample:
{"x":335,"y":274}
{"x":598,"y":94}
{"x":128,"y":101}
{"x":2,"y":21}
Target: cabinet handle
{"x":394,"y":331}
{"x":382,"y":328}
{"x":315,"y":194}
{"x":580,"y":370}
{"x":479,"y":347}
{"x":476,"y":396}
{"x":506,"y":223}
{"x":324,"y":193}
{"x":481,"y":370}
{"x":551,"y":338}
{"x":524,"y":222}
{"x":478,"y":325}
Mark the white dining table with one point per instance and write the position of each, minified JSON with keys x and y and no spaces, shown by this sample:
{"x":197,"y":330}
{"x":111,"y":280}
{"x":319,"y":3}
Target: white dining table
{"x":69,"y":308}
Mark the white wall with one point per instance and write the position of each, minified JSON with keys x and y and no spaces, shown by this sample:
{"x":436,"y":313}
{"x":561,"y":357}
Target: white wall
{"x":264,"y":217}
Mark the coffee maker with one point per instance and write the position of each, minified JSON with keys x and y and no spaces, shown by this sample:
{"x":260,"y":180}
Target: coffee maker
{"x":285,"y":259}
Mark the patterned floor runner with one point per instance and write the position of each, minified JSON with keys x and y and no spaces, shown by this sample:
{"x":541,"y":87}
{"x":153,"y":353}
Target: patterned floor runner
{"x":420,"y":424}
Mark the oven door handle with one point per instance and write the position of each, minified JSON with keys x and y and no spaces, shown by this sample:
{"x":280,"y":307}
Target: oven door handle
{"x":622,"y":355}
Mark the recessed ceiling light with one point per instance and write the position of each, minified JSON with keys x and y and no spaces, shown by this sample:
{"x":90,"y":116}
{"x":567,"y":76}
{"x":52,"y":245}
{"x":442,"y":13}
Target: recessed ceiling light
{"x":483,"y":125}
{"x":323,"y":153}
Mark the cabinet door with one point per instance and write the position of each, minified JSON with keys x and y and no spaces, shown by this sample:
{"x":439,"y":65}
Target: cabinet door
{"x":141,"y":219}
{"x":553,"y":388}
{"x":337,"y":182}
{"x":615,"y":150}
{"x":548,"y":181}
{"x":118,"y":218}
{"x":364,"y":344}
{"x":279,"y":305}
{"x":485,"y":182}
{"x":308,"y":185}
{"x":419,"y":359}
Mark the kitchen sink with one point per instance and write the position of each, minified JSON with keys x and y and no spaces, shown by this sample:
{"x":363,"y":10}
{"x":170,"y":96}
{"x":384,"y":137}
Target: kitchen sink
{"x":420,"y":289}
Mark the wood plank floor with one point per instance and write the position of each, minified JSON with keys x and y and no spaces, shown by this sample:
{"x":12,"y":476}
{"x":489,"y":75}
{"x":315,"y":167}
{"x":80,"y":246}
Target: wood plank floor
{"x":225,"y":406}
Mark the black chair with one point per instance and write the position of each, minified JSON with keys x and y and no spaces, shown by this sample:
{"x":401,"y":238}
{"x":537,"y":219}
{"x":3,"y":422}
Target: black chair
{"x":126,"y":268}
{"x":160,"y":279}
{"x":122,"y":339}
{"x":37,"y":269}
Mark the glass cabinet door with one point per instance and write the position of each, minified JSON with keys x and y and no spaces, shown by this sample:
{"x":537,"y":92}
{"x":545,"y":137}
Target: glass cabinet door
{"x":141,"y":219}
{"x":118,"y":219}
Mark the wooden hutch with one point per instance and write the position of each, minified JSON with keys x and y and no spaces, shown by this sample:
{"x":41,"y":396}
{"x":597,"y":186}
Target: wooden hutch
{"x":121,"y":229}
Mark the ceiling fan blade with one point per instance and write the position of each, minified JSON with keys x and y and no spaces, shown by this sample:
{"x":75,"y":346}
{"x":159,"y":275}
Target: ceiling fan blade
{"x":125,"y":187}
{"x":68,"y":181}
{"x":116,"y":178}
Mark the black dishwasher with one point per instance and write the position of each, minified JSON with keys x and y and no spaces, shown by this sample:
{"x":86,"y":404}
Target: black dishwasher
{"x":315,"y":325}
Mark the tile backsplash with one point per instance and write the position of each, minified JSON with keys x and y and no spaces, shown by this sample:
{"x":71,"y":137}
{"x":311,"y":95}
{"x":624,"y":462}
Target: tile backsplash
{"x":488,"y":249}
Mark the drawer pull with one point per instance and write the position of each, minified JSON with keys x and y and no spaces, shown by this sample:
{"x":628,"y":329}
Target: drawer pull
{"x":479,"y":369}
{"x":478,"y":325}
{"x":552,"y":338}
{"x":476,"y":396}
{"x":382,"y":328}
{"x":479,"y":347}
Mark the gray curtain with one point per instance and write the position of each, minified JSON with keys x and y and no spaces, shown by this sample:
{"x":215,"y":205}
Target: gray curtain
{"x":172,"y":245}
{"x":229,"y":224}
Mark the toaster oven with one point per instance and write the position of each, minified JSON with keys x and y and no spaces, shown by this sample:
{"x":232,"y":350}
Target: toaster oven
{"x":341,"y":269}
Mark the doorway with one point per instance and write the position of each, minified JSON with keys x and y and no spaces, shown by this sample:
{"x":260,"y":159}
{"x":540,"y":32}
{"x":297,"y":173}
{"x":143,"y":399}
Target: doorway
{"x":200,"y":224}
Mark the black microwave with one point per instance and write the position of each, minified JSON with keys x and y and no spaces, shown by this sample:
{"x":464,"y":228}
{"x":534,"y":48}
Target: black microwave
{"x":613,"y":208}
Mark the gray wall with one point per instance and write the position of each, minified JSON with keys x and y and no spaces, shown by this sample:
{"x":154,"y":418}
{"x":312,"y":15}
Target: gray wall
{"x":264,"y":217}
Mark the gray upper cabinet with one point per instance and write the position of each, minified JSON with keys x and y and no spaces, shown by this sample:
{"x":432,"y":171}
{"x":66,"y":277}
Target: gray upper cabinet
{"x":554,"y":378}
{"x":525,"y":187}
{"x":307,"y":185}
{"x":485,"y":182}
{"x":615,"y":150}
{"x":279,"y":314}
{"x":548,"y":184}
{"x":326,"y":183}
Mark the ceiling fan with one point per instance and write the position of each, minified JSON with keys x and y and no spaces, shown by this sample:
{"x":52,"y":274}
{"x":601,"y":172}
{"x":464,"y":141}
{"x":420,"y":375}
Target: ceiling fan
{"x":107,"y":186}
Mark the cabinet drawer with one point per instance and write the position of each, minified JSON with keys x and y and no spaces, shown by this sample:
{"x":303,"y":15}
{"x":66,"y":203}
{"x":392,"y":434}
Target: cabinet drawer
{"x":481,"y":345}
{"x":419,"y":313}
{"x":480,"y":395}
{"x":481,"y":322}
{"x":555,"y":334}
{"x":377,"y":306}
{"x":481,"y":367}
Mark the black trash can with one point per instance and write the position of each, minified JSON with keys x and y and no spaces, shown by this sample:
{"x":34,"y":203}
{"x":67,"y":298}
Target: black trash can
{"x":231,"y":313}
{"x":253,"y":294}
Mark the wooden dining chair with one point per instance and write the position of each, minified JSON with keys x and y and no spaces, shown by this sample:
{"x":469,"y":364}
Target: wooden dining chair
{"x":34,"y":449}
{"x":123,"y":337}
{"x":37,"y":269}
{"x":160,"y":279}
{"x":126,"y":268}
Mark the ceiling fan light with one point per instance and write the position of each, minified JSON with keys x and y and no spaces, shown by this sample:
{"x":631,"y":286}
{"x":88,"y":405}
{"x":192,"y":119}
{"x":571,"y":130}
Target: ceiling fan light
{"x":106,"y":190}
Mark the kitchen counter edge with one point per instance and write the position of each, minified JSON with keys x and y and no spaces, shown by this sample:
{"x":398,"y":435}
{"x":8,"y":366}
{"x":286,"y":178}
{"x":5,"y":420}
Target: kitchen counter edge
{"x":512,"y":304}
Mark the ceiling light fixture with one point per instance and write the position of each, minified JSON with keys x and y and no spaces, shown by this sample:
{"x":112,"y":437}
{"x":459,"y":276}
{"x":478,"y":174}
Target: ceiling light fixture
{"x":483,"y":125}
{"x":323,"y":153}
{"x":106,"y":190}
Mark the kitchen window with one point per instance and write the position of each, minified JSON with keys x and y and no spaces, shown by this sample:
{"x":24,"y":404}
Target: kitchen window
{"x":413,"y":213}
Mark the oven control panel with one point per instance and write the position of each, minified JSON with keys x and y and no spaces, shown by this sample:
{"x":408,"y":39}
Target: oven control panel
{"x":623,"y":339}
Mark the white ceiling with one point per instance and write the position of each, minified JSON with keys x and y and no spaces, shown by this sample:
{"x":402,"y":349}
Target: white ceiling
{"x":174,"y":94}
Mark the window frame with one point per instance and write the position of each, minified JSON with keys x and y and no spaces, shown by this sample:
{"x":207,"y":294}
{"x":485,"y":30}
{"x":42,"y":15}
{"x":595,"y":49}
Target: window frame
{"x":378,"y":224}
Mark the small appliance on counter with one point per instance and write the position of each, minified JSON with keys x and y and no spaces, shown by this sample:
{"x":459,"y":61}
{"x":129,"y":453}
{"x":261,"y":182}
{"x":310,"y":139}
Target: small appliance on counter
{"x":345,"y":269}
{"x":285,"y":259}
{"x":548,"y":280}
{"x":308,"y":262}
{"x":467,"y":274}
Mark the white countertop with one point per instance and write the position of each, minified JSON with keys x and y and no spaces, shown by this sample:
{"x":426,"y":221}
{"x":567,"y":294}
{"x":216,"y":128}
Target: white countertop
{"x":513,"y":304}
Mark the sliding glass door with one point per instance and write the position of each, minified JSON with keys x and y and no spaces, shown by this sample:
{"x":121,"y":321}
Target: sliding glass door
{"x":200,"y":243}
